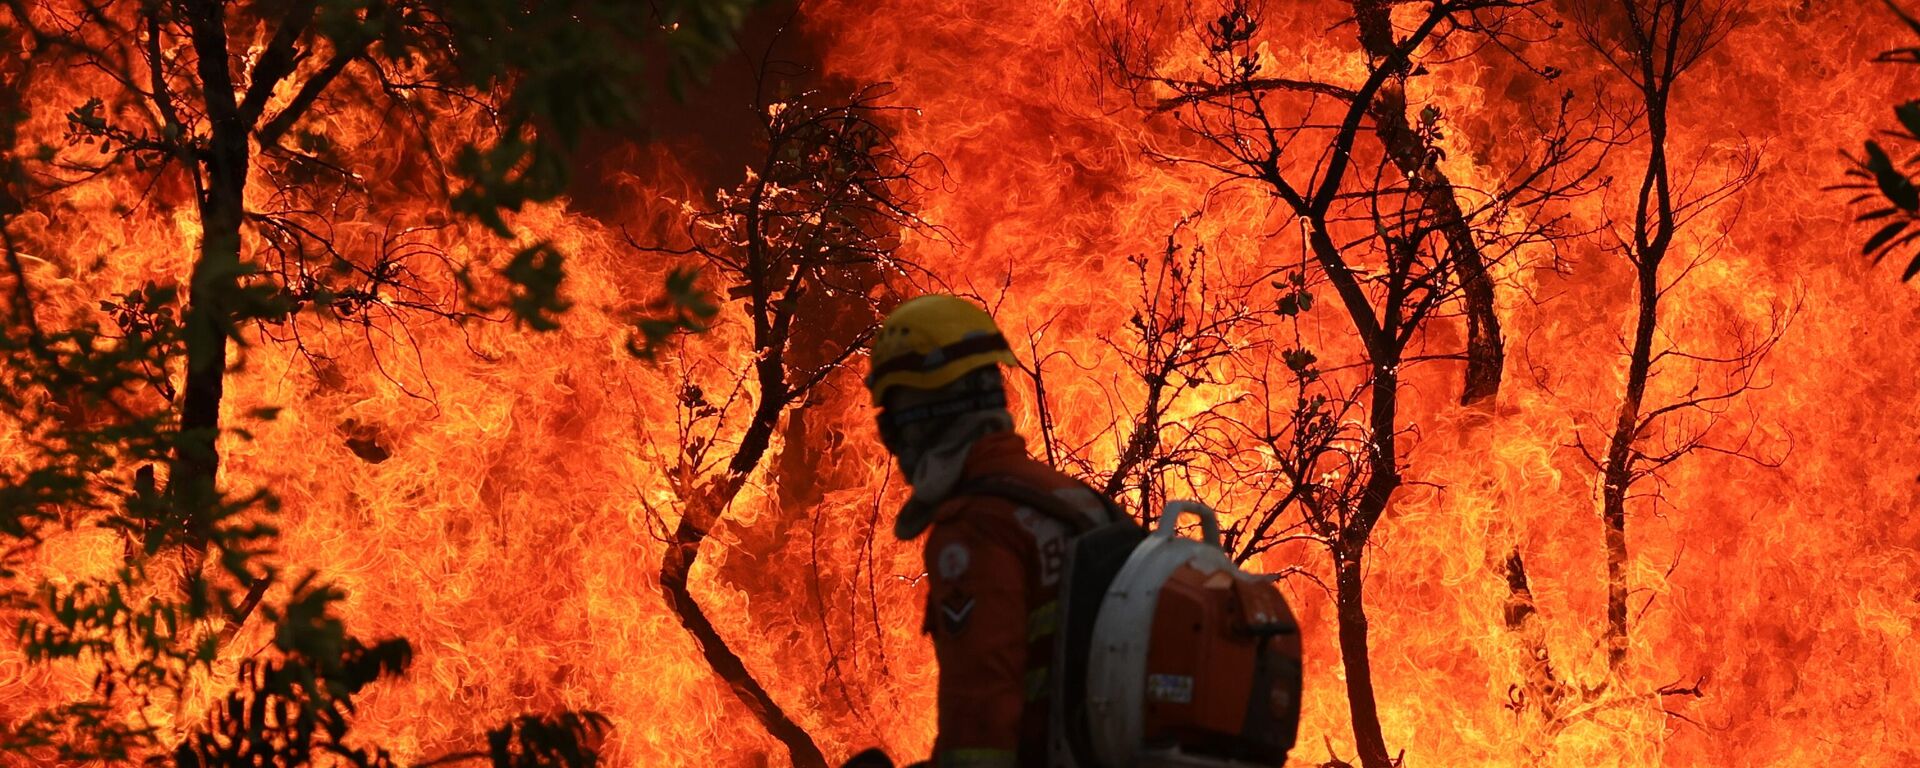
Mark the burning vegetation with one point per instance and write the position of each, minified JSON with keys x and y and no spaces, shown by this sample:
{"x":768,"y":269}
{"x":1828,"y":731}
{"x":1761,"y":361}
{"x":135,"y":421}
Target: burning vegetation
{"x":443,"y":382}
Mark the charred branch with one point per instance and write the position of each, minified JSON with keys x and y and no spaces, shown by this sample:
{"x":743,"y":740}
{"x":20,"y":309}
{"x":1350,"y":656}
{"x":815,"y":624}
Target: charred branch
{"x":816,"y":219}
{"x":1188,"y":323}
{"x":1651,"y":44}
{"x":1415,"y":155}
{"x":727,"y":665}
{"x":1540,"y":689}
{"x":1381,"y":225}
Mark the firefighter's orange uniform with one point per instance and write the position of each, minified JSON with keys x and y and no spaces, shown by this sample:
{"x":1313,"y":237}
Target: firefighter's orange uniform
{"x":994,"y":565}
{"x":999,"y":526}
{"x":995,"y":569}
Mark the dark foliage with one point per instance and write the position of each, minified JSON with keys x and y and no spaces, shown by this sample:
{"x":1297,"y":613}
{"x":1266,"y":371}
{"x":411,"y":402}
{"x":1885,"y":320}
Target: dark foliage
{"x":115,"y":415}
{"x":1887,"y":185}
{"x":561,"y":741}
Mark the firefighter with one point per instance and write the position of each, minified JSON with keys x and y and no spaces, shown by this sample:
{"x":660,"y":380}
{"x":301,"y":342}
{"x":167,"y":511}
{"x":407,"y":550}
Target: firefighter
{"x":994,"y":566}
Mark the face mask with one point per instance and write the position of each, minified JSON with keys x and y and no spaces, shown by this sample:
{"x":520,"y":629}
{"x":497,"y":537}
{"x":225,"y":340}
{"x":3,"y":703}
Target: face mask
{"x":933,"y":463}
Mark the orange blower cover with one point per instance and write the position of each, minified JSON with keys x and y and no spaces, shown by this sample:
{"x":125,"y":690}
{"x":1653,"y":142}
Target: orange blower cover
{"x":1214,"y":638}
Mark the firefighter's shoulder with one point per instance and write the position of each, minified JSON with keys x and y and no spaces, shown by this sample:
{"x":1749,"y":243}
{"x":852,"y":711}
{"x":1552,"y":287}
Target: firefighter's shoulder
{"x":984,"y":519}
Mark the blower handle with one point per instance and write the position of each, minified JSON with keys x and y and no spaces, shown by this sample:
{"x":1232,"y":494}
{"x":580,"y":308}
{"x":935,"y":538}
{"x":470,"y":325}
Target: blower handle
{"x":1171,"y":513}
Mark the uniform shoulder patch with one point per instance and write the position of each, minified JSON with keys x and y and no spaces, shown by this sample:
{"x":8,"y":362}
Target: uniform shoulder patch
{"x":953,"y":561}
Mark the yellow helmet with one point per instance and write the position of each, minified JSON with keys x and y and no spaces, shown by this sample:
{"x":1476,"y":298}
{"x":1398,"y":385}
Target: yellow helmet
{"x":933,"y":341}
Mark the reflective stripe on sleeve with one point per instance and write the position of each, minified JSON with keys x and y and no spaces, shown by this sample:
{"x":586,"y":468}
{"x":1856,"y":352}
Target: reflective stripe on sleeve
{"x":1036,"y":683}
{"x":975,"y":758}
{"x":1043,"y":620}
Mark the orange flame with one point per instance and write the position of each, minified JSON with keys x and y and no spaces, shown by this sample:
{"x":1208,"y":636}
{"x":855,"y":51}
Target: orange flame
{"x":494,"y":495}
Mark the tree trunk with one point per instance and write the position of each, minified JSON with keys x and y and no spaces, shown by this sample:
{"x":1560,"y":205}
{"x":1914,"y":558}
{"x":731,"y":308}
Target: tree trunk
{"x":209,"y":317}
{"x":1352,"y":615}
{"x":1617,"y":475}
{"x":1142,"y":442}
{"x":702,"y":512}
{"x":1383,"y":478}
{"x":208,"y":321}
{"x":1540,"y":690}
{"x":1486,"y":353}
{"x":674,"y":571}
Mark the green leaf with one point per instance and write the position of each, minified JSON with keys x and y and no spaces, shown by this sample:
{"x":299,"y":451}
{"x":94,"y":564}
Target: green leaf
{"x":684,"y":291}
{"x":685,"y":308}
{"x":537,"y":273}
{"x":1294,"y":303}
{"x":1898,"y":189}
{"x":1881,"y":237}
{"x":1300,"y":360}
{"x":1909,"y":115}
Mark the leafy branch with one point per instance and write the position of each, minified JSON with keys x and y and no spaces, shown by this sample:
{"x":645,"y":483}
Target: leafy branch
{"x":1889,"y":185}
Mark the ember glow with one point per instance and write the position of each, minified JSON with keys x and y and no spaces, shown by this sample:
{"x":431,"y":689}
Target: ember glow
{"x":500,"y":497}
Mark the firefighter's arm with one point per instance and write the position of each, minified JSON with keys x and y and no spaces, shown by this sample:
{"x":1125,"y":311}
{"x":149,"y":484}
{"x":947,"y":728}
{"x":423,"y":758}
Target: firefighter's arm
{"x":976,"y":612}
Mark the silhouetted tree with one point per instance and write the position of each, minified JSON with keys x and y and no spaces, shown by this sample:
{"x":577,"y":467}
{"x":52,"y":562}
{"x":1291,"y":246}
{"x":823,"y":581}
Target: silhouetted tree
{"x":809,"y":233}
{"x":1673,"y":400}
{"x":180,"y":108}
{"x":1651,"y":44}
{"x":1189,"y":318}
{"x":1386,"y":241}
{"x":1411,"y":141}
{"x":121,"y":410}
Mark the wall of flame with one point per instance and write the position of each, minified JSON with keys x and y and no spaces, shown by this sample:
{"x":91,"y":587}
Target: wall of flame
{"x":509,"y":530}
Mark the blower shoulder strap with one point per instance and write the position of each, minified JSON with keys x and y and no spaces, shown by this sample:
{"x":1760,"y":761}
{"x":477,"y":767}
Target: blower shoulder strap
{"x":1043,"y":501}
